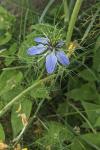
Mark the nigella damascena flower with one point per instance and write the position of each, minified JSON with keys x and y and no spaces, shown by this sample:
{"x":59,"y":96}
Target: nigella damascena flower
{"x":54,"y":53}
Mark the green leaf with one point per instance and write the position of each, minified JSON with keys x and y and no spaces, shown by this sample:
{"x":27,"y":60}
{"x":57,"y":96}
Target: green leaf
{"x":97,"y":122}
{"x":96,"y":60}
{"x":6,"y":22}
{"x":5,"y":38}
{"x":10,"y":53}
{"x":74,"y":83}
{"x":9,"y":95}
{"x":96,"y":57}
{"x":92,"y":111}
{"x":2,"y":134}
{"x":62,"y":109}
{"x":26,"y":106}
{"x":9,"y":79}
{"x":94,"y":139}
{"x":88,"y":75}
{"x":97,"y":45}
{"x":6,"y":19}
{"x":86,"y":92}
{"x":40,"y":92}
{"x":77,"y":144}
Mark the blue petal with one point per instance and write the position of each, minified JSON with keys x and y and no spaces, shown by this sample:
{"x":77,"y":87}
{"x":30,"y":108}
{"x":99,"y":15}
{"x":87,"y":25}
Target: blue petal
{"x":36,"y":49}
{"x":41,"y":40}
{"x":51,"y":61}
{"x":62,"y":58}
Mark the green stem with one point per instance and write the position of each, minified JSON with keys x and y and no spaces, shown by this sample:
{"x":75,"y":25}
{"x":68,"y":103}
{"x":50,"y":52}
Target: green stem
{"x":90,"y":125}
{"x":21,"y":21}
{"x":73,"y":20}
{"x":25,"y":23}
{"x":45,"y":10}
{"x":8,"y":106}
{"x":71,"y":6}
{"x":66,"y":11}
{"x":17,"y":67}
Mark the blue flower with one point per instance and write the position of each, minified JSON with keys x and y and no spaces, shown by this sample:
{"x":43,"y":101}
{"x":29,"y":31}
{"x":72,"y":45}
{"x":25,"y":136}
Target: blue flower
{"x":54,"y":55}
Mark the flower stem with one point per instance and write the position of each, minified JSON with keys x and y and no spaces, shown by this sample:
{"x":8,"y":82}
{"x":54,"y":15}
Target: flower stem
{"x":73,"y":20}
{"x":15,"y":99}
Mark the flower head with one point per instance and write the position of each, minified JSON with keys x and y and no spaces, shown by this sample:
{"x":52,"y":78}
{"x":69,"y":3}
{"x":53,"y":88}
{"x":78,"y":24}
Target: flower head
{"x":54,"y":53}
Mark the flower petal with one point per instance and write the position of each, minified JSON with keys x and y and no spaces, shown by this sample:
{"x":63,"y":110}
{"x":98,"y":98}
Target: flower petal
{"x":36,"y":49}
{"x":51,"y":61}
{"x":41,"y":40}
{"x":62,"y":58}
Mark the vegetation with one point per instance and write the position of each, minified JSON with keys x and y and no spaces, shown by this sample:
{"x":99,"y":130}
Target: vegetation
{"x":50,"y":75}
